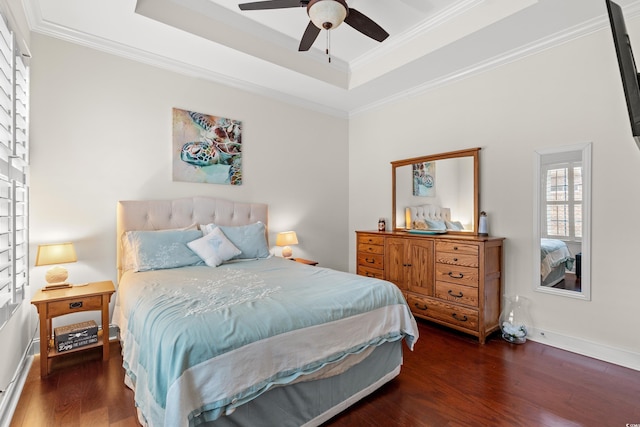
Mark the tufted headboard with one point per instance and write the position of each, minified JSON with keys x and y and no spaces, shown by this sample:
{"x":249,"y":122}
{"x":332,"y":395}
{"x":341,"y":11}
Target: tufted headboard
{"x":181,"y":213}
{"x":431,"y":212}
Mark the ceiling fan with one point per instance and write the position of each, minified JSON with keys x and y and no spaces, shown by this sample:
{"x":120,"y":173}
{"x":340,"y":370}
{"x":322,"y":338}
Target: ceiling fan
{"x":327,"y":14}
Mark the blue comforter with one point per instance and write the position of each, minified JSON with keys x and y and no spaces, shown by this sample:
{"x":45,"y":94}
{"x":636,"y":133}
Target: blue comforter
{"x":553,"y":253}
{"x":205,"y":340}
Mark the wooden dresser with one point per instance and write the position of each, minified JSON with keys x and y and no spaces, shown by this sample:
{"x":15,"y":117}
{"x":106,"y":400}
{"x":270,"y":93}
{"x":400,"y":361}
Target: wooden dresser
{"x":450,"y":279}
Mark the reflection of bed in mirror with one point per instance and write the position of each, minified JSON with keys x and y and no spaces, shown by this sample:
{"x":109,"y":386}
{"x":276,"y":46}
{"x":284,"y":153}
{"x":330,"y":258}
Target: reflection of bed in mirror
{"x":555,"y":260}
{"x":431,"y":217}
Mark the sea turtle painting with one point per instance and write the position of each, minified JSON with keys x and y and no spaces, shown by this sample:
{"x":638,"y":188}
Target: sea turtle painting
{"x":208,"y":148}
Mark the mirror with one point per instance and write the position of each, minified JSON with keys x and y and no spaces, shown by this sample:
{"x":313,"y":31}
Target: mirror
{"x":448,"y":180}
{"x":562,"y":215}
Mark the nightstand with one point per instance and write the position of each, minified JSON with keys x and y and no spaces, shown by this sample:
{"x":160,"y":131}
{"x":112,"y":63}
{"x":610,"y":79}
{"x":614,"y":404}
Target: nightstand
{"x":305,"y":261}
{"x":58,"y":302}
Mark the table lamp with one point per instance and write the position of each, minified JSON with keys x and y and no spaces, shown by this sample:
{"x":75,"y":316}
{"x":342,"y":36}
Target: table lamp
{"x":54,"y":254}
{"x":285,"y":239}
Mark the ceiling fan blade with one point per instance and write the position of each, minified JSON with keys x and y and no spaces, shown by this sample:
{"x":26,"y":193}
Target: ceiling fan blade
{"x":273,"y":4}
{"x":309,"y":36}
{"x":365,"y":25}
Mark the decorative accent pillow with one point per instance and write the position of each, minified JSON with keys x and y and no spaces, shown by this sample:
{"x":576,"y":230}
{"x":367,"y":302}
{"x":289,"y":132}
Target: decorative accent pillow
{"x":157,"y":250}
{"x":454,"y":225}
{"x":214,"y":248}
{"x":419,"y":224}
{"x":250,"y":239}
{"x":436,"y":225}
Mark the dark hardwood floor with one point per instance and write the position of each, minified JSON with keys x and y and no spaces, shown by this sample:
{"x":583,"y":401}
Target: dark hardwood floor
{"x":449,"y":380}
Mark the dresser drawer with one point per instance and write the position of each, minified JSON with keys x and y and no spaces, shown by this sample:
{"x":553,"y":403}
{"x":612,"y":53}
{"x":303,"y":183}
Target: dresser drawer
{"x":370,"y":248}
{"x":463,"y":248}
{"x":371,"y":260}
{"x":370,"y":272}
{"x":370,"y":240}
{"x":457,"y":274}
{"x":467,"y":295}
{"x":58,"y":308}
{"x":443,"y":312}
{"x":453,"y":258}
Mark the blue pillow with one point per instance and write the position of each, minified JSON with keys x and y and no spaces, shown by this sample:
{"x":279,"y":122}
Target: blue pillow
{"x":454,"y":225}
{"x":157,"y":250}
{"x":250,"y":239}
{"x":435,"y":225}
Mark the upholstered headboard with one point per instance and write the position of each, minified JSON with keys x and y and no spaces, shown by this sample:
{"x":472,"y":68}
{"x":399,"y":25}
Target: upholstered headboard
{"x":181,"y":213}
{"x":430,"y":212}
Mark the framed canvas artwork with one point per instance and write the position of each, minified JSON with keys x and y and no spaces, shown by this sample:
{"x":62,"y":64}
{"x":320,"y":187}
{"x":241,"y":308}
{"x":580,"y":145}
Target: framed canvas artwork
{"x":424,"y":179}
{"x":206,"y":148}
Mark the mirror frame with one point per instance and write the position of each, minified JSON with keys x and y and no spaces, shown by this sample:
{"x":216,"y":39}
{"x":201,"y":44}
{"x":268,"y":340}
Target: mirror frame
{"x":471,"y":152}
{"x":585,"y":279}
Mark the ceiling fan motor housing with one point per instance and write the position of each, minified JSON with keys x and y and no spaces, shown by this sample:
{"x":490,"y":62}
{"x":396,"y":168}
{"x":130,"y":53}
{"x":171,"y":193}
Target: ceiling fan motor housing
{"x":327,"y":14}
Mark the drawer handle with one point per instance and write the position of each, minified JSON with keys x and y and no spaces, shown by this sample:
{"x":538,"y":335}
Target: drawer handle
{"x":74,"y":305}
{"x":450,"y":292}
{"x":370,"y":261}
{"x":421,"y":306}
{"x":455,"y":248}
{"x":406,"y":265}
{"x":458,"y":276}
{"x":463,"y":319}
{"x":455,"y":259}
{"x":370,"y":275}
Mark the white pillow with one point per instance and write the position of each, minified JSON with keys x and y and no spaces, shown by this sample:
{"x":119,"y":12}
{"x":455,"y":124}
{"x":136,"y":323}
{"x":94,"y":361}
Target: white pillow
{"x":214,"y":248}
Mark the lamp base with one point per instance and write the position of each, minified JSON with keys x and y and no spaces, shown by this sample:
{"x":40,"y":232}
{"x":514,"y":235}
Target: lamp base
{"x":53,"y":286}
{"x":287,"y":252}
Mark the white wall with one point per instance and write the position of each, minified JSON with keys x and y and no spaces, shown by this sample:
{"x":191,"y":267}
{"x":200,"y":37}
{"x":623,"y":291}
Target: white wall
{"x":101,"y":132}
{"x":566,"y":95}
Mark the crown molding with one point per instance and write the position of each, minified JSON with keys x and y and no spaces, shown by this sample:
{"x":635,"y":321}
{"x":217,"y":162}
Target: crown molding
{"x":400,"y":40}
{"x":513,"y":55}
{"x":39,"y":25}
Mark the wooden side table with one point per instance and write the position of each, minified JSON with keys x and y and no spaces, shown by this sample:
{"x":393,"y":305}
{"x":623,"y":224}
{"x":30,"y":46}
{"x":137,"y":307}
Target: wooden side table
{"x":58,"y":302}
{"x":305,"y":261}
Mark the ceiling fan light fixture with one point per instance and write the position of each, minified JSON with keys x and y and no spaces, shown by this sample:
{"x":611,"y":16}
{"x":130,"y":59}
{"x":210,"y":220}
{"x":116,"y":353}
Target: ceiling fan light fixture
{"x":327,"y":14}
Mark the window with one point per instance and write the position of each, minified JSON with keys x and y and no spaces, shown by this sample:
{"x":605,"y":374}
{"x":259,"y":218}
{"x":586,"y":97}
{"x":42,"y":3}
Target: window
{"x":14,"y":161}
{"x":562,"y":195}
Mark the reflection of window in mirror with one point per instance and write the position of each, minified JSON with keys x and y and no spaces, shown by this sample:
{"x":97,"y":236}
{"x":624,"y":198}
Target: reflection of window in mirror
{"x":562,"y":220}
{"x":562,"y":197}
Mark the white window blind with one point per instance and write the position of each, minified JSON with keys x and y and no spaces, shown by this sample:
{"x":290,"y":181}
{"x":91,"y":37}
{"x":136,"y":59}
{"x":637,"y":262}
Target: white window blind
{"x":14,"y":161}
{"x":562,"y":192}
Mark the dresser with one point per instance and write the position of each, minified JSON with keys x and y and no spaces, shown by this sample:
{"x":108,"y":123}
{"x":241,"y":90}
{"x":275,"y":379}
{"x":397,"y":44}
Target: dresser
{"x":454,"y":280}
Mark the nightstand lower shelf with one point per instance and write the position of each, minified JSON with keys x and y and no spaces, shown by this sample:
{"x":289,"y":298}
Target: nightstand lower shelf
{"x":53,"y":303}
{"x":53,"y":352}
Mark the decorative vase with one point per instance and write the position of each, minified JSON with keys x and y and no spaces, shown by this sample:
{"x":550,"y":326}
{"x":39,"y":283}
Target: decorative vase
{"x":515,"y":322}
{"x":483,"y":228}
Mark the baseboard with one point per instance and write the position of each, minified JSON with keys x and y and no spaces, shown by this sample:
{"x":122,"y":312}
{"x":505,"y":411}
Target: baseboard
{"x":617,"y":356}
{"x":9,"y":399}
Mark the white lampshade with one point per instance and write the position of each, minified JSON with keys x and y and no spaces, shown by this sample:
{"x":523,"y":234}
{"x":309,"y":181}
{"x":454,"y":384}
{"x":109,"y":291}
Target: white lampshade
{"x":327,"y":14}
{"x":285,"y":239}
{"x":57,"y":253}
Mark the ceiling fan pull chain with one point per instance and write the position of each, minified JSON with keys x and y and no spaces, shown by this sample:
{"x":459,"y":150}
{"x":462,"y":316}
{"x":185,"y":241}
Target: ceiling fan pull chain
{"x":328,"y":45}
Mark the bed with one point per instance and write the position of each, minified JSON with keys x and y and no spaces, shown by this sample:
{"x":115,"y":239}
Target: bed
{"x":257,"y":340}
{"x":555,"y":260}
{"x":432,"y":218}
